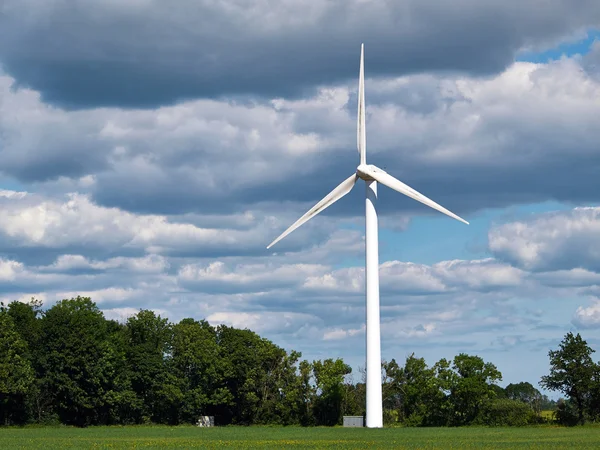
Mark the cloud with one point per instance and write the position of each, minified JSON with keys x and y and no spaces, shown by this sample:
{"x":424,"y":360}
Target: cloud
{"x":405,"y":278}
{"x":588,"y":317}
{"x":102,"y":296}
{"x":568,"y":278}
{"x":39,"y":142}
{"x":217,"y":277}
{"x":266,"y":321}
{"x":16,"y":277}
{"x":76,"y":225}
{"x":551,"y":241}
{"x":146,"y":53}
{"x":119,"y":314}
{"x":522,"y":136}
{"x":339,"y":333}
{"x":394,"y":330}
{"x":479,"y":275}
{"x":146,"y":265}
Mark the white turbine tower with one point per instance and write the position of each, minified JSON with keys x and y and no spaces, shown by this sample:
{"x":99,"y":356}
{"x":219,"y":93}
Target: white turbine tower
{"x":371,"y":175}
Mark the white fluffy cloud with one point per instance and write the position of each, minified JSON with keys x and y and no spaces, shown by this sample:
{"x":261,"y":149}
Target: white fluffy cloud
{"x":150,"y":264}
{"x":245,"y":278}
{"x":553,"y":241}
{"x":266,"y":321}
{"x":77,"y":222}
{"x":588,"y":317}
{"x":418,"y":279}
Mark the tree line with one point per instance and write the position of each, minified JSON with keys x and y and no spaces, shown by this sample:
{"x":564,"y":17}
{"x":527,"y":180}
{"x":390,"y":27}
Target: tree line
{"x":69,"y":364}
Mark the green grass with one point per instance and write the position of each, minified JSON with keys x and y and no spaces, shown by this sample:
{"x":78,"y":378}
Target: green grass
{"x":158,"y":437}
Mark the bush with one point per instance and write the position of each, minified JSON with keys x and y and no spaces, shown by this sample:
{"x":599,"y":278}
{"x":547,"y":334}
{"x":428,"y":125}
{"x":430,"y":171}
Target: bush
{"x":566,"y":413}
{"x":505,"y":412}
{"x":414,"y":420}
{"x":390,"y":416}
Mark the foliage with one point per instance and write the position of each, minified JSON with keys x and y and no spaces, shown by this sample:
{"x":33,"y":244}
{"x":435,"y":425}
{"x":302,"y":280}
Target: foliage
{"x":526,"y":393}
{"x":16,"y":373}
{"x":567,"y":412}
{"x":445,"y":394}
{"x":261,"y":378}
{"x":572,"y":371}
{"x":505,"y":412}
{"x":69,"y":365}
{"x":594,"y":406}
{"x":73,"y":360}
{"x":329,"y":377}
{"x":471,"y":387}
{"x":198,"y":366}
{"x":148,"y":345}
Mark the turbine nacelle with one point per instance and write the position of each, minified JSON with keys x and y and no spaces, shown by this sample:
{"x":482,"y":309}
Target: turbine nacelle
{"x":363,"y":171}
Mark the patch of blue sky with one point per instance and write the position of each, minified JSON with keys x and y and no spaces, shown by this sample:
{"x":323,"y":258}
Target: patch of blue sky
{"x":433,"y":238}
{"x":10,"y":184}
{"x":569,"y":48}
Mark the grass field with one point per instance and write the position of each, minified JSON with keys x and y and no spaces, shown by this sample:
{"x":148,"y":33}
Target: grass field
{"x":157,"y":437}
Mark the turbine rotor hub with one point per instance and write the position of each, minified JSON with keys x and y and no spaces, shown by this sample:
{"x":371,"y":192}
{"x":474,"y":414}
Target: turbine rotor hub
{"x":363,"y":171}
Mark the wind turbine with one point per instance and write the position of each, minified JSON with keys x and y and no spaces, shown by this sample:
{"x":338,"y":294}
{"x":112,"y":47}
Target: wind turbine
{"x":371,"y":175}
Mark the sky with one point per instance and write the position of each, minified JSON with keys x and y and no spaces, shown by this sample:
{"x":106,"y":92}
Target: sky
{"x":149,"y":152}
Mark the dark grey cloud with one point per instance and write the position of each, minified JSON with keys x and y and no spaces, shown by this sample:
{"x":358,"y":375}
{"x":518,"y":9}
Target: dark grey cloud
{"x":147,"y":53}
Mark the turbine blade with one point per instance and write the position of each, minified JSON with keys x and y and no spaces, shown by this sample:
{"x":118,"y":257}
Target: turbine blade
{"x":342,"y":189}
{"x":385,"y":178}
{"x":361,"y":135}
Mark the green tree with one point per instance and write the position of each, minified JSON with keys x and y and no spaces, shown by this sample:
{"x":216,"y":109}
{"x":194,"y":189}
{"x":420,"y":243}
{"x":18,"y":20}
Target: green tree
{"x":595,"y":394}
{"x":281,"y":388}
{"x":16,"y":374}
{"x":499,"y":391}
{"x":26,"y":318}
{"x":525,"y":392}
{"x":422,"y":393}
{"x":73,"y":350}
{"x":149,"y":344}
{"x":307,"y":393}
{"x":392,"y":392}
{"x":27,"y":321}
{"x":354,"y":403}
{"x":120,"y":403}
{"x":262,"y":378}
{"x":572,"y":372}
{"x":198,"y":365}
{"x":566,"y":412}
{"x":329,"y":379}
{"x":471,"y":386}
